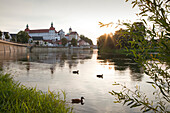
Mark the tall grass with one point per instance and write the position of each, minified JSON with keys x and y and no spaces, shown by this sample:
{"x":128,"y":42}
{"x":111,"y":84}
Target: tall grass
{"x":17,"y":98}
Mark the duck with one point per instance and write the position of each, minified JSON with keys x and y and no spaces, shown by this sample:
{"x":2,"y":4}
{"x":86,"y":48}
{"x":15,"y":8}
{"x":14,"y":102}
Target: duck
{"x":76,"y":72}
{"x":77,"y":101}
{"x":100,"y":76}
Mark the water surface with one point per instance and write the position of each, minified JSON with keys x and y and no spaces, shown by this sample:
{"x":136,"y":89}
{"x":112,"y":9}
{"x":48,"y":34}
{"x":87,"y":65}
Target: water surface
{"x":54,"y":71}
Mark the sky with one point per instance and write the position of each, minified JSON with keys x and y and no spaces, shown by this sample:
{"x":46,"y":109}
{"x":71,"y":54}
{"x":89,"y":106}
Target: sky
{"x":82,"y":16}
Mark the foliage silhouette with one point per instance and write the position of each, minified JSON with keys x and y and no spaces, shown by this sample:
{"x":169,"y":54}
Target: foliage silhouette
{"x":156,"y":65}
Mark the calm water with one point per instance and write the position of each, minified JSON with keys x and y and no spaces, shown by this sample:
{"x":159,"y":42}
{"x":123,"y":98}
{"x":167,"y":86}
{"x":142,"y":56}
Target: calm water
{"x":54,"y":71}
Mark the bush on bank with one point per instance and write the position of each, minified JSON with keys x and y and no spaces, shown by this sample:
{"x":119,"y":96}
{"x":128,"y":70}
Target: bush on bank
{"x":17,"y":98}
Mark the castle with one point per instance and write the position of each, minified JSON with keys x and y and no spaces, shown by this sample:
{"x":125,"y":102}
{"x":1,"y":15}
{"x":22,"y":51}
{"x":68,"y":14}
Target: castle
{"x":51,"y":35}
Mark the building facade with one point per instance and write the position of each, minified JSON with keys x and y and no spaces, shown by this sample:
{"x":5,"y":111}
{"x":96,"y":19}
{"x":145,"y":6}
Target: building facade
{"x":47,"y":34}
{"x":72,"y":34}
{"x":51,"y":35}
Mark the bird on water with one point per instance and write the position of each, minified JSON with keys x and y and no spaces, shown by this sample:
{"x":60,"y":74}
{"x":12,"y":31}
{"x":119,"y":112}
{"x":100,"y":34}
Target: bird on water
{"x":76,"y":72}
{"x":77,"y":101}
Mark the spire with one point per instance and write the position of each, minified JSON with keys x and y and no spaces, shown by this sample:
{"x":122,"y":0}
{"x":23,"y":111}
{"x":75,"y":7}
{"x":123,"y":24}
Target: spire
{"x":27,"y":26}
{"x":70,"y":30}
{"x":52,"y":28}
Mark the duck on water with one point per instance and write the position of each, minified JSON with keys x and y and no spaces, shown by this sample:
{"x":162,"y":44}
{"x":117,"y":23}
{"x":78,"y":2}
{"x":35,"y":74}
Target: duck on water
{"x":77,"y":101}
{"x":100,"y":76}
{"x":76,"y":72}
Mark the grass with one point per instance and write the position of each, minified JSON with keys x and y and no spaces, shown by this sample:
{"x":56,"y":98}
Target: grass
{"x":16,"y":98}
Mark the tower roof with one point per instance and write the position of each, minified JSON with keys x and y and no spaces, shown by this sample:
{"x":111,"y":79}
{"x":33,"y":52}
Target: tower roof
{"x":27,"y":28}
{"x":52,"y":28}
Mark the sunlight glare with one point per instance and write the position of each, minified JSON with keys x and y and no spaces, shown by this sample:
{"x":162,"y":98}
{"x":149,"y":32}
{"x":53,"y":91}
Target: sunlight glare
{"x":106,"y":30}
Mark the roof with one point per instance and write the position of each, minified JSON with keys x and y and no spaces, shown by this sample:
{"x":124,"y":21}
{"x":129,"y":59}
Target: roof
{"x":39,"y":31}
{"x":73,"y":33}
{"x":37,"y":38}
{"x":52,"y":28}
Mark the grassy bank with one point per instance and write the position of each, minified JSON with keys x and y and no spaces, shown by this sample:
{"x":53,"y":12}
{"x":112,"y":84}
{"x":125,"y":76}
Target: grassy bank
{"x":16,"y":98}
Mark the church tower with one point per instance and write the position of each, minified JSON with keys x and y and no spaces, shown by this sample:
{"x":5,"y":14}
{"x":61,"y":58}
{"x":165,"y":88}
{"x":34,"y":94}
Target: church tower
{"x":70,"y":30}
{"x":27,"y":28}
{"x":52,"y":28}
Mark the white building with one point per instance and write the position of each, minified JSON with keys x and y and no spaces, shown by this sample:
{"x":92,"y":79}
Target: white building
{"x":72,"y":34}
{"x":47,"y":34}
{"x":61,"y":34}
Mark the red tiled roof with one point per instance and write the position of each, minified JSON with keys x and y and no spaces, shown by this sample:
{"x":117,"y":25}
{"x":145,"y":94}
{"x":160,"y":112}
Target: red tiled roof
{"x":26,"y":29}
{"x":73,"y":33}
{"x":52,"y":28}
{"x":39,"y":31}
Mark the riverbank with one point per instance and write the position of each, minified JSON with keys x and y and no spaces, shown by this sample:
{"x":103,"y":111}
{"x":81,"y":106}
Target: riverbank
{"x":18,"y":98}
{"x":125,"y":52}
{"x":56,"y":49}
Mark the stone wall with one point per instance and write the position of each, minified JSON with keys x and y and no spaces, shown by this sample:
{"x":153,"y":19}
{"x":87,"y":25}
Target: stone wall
{"x":6,"y":47}
{"x":48,"y":49}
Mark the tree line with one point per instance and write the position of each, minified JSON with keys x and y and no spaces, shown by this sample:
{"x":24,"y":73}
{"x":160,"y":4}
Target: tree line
{"x":122,"y":38}
{"x":21,"y":37}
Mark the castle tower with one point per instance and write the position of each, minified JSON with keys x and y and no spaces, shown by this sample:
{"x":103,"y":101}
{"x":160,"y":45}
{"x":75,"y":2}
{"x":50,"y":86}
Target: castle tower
{"x":52,"y":28}
{"x":70,"y":30}
{"x":27,"y":28}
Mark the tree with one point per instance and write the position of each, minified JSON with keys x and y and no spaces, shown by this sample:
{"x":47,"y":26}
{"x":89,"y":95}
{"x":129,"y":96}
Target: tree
{"x":86,"y":39}
{"x":157,"y":13}
{"x":122,"y":39}
{"x":74,"y":42}
{"x":22,"y":37}
{"x":106,"y":42}
{"x":111,"y":42}
{"x":64,"y":41}
{"x":37,"y":43}
{"x":7,"y":36}
{"x":13,"y":39}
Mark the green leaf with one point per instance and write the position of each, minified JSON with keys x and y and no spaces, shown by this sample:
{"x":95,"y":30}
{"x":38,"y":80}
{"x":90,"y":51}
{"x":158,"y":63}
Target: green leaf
{"x":147,"y":110}
{"x":153,"y":86}
{"x":143,"y":12}
{"x":135,"y":105}
{"x":134,"y":5}
{"x":126,"y":101}
{"x":130,"y":103}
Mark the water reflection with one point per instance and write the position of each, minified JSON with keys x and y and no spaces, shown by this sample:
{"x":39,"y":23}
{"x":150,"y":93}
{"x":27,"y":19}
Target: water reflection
{"x":55,"y":71}
{"x":121,"y":63}
{"x":59,"y":59}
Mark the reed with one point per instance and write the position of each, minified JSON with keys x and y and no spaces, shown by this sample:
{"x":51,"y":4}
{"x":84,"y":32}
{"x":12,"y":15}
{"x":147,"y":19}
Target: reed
{"x":17,"y":98}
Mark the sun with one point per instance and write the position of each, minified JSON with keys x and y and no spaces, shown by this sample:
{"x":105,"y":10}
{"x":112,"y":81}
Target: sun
{"x":107,"y":30}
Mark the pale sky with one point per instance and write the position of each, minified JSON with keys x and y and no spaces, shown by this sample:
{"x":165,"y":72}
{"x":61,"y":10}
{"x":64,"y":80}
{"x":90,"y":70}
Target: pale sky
{"x":82,"y":15}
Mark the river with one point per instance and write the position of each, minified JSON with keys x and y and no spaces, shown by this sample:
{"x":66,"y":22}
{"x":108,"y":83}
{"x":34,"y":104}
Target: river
{"x":53,"y":71}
